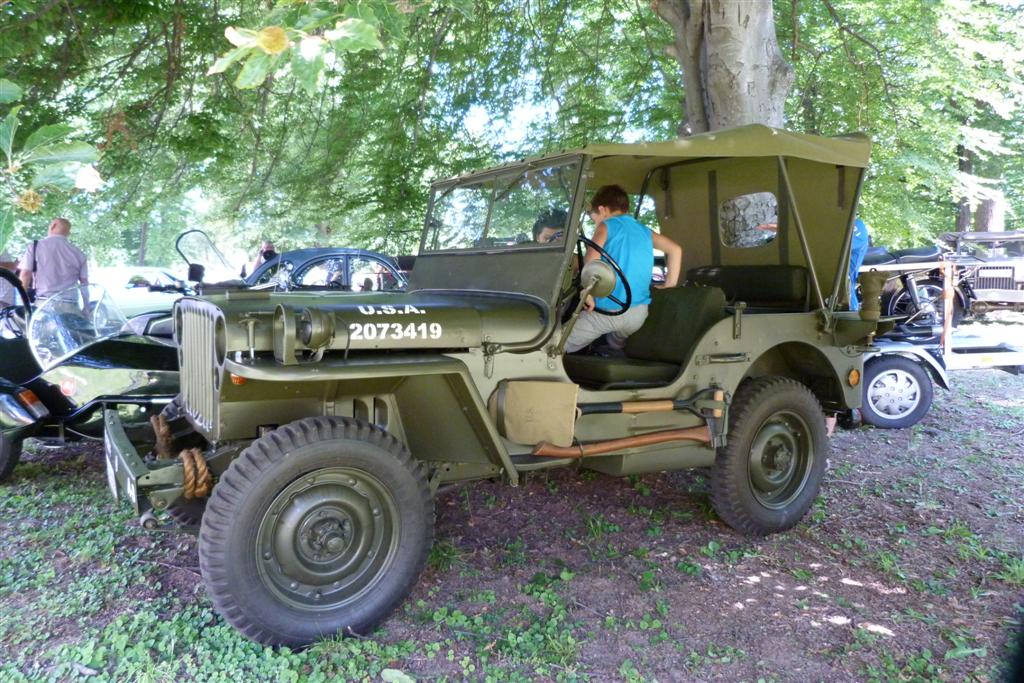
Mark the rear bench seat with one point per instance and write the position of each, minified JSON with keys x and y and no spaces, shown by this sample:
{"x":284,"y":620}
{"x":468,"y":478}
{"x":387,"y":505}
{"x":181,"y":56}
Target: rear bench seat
{"x":763,"y":288}
{"x":677,"y":318}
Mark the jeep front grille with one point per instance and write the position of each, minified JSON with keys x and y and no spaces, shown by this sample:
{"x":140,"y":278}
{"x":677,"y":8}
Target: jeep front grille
{"x":199,"y":331}
{"x":994,"y":277}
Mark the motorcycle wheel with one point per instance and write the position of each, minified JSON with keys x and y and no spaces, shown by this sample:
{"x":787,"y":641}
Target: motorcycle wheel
{"x":10,"y":454}
{"x":930,"y":294}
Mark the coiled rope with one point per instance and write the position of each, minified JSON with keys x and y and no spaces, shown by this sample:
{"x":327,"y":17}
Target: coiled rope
{"x":198,"y":480}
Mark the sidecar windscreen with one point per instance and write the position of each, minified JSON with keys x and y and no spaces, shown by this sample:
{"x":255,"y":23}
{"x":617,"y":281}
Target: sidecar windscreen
{"x":67,"y":322}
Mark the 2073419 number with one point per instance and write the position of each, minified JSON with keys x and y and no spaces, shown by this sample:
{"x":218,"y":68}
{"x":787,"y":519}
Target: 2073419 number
{"x":373,"y":331}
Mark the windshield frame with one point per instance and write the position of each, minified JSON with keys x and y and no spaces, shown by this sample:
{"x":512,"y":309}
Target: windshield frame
{"x":443,"y":188}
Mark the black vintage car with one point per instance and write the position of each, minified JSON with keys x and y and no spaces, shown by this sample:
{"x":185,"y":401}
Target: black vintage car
{"x":349,"y":270}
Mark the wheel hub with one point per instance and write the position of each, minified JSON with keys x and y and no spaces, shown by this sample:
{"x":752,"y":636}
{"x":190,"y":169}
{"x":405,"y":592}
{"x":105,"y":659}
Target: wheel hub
{"x":894,"y":393}
{"x":780,"y":459}
{"x":325,"y":534}
{"x":327,"y":537}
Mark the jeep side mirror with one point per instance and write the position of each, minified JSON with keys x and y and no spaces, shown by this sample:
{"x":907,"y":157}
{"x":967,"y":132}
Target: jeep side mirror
{"x":597,"y":279}
{"x":600,"y":277}
{"x":196,"y":271}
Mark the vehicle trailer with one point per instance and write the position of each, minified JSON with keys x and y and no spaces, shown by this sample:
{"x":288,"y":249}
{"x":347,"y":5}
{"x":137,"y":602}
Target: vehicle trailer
{"x":321,"y":426}
{"x":902,"y":363}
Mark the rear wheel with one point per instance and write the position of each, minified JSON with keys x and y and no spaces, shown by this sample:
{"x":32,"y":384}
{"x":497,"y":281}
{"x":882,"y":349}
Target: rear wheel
{"x":929,"y":293}
{"x":897,"y":392}
{"x":10,"y":454}
{"x":320,"y":527}
{"x":768,"y":474}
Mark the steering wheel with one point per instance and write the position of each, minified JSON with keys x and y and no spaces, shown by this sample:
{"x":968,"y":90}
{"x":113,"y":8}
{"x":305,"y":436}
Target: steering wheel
{"x":623,"y":305}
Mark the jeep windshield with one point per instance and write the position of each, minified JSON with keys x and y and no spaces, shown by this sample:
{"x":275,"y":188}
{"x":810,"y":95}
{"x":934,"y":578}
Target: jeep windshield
{"x":499,"y":210}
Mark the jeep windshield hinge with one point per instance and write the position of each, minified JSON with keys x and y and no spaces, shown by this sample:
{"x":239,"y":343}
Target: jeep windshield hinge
{"x":737,"y":319}
{"x":250,"y":332}
{"x":490,"y":348}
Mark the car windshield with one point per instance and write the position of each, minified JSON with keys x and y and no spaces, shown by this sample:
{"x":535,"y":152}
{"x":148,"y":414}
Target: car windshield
{"x":196,"y":247}
{"x":501,"y":211}
{"x":69,"y":321}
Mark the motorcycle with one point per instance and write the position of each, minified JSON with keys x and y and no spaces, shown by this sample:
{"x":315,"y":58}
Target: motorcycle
{"x":915,"y":294}
{"x":62,"y":361}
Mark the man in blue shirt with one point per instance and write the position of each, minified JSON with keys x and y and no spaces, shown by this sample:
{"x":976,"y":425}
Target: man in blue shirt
{"x":631,"y":245}
{"x":858,"y":248}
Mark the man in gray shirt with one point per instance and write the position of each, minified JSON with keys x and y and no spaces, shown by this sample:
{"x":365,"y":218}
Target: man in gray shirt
{"x":57,"y":263}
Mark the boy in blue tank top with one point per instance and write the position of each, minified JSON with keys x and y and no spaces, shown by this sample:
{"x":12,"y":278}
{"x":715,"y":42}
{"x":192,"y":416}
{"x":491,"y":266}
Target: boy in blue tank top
{"x":631,"y":245}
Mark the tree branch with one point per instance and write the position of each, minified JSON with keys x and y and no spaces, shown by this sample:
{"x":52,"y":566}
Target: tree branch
{"x":31,"y":17}
{"x":879,"y":55}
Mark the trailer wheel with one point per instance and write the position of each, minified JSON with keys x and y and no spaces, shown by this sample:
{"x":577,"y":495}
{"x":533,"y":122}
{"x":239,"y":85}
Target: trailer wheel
{"x":10,"y":454}
{"x":768,"y":474}
{"x":319,"y":528}
{"x":897,"y":392}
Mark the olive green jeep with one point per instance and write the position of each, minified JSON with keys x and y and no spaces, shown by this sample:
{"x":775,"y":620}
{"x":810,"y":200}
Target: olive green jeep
{"x":313,"y":429}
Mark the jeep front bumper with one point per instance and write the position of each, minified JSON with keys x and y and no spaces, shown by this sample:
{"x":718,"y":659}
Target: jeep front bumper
{"x":129,"y":477}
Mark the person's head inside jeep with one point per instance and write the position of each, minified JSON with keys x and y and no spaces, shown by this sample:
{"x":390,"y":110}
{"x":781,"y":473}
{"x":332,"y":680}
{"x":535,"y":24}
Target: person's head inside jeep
{"x":550,"y":226}
{"x":608,"y":201}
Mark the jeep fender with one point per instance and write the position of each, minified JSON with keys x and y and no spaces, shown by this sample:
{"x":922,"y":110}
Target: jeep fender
{"x":919,"y":354}
{"x":429,"y":403}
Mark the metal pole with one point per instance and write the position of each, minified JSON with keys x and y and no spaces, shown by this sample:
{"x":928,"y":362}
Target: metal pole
{"x":947,"y":310}
{"x":800,"y":232}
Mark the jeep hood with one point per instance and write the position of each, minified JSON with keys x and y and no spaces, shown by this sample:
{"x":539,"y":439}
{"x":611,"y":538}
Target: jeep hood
{"x":423,"y":319}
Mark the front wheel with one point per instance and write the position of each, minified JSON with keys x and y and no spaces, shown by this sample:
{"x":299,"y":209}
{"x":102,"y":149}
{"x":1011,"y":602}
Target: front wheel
{"x":768,"y":474}
{"x":321,"y":527}
{"x":897,"y":392}
{"x":10,"y":454}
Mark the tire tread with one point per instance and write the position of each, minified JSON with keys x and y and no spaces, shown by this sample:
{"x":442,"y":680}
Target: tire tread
{"x":262,"y":454}
{"x":726,"y":496}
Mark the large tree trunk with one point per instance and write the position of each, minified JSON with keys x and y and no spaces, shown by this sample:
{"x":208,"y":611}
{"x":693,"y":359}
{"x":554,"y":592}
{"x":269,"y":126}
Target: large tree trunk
{"x":990,"y":215}
{"x":733,"y":71}
{"x":733,"y":74}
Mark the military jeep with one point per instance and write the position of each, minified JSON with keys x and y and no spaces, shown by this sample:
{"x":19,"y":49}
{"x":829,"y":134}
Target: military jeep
{"x":314,"y":429}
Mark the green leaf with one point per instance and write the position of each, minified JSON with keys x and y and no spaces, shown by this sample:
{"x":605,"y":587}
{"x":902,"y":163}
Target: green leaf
{"x":60,"y":176}
{"x":255,"y":70}
{"x":9,"y":92}
{"x":227,"y":59}
{"x":962,"y":651}
{"x":7,"y":130}
{"x":313,"y":20}
{"x":64,"y":151}
{"x":353,"y":35}
{"x":46,"y":135}
{"x":307,"y":71}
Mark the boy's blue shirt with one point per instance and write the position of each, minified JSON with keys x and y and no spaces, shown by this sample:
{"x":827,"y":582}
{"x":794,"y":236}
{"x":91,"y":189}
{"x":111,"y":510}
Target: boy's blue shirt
{"x":629,"y":242}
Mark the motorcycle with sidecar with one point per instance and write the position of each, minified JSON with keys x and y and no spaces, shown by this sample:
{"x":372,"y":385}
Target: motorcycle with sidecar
{"x":60,"y":363}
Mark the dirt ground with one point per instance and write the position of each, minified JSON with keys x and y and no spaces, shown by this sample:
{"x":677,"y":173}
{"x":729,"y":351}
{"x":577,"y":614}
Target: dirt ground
{"x":910,"y":566}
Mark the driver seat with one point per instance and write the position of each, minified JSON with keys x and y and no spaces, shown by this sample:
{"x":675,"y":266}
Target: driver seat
{"x":676,"y":320}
